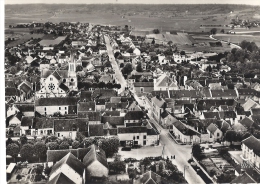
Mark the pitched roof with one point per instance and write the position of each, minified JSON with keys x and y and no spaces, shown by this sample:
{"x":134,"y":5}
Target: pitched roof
{"x":85,"y":95}
{"x":135,"y":115}
{"x":209,"y":115}
{"x":60,"y":179}
{"x":149,"y":177}
{"x":72,"y":162}
{"x":104,"y":93}
{"x":86,"y":106}
{"x":163,"y":94}
{"x":185,"y":93}
{"x":224,"y":93}
{"x":134,"y":129}
{"x":206,"y":104}
{"x":212,"y":128}
{"x":27,"y":120}
{"x":111,"y":113}
{"x":250,"y":104}
{"x":93,"y":116}
{"x":25,"y":88}
{"x":227,"y":114}
{"x":10,"y":91}
{"x":57,"y":101}
{"x":25,"y":107}
{"x":121,"y":105}
{"x":95,"y":130}
{"x":246,"y":122}
{"x":95,"y":154}
{"x":244,"y":178}
{"x":113,"y":120}
{"x":158,"y":101}
{"x":253,"y":144}
{"x":70,"y":125}
{"x":64,"y":87}
{"x":255,"y":111}
{"x":143,"y":84}
{"x":56,"y":73}
{"x":41,"y":123}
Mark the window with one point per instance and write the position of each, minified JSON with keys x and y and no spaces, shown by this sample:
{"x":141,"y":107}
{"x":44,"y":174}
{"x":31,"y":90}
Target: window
{"x":65,"y":112}
{"x":144,"y":143}
{"x":65,"y":108}
{"x":144,"y":136}
{"x":137,"y":137}
{"x":142,"y":90}
{"x":217,"y":134}
{"x":45,"y":108}
{"x":70,"y":134}
{"x":58,"y":134}
{"x":50,"y":78}
{"x":59,"y":108}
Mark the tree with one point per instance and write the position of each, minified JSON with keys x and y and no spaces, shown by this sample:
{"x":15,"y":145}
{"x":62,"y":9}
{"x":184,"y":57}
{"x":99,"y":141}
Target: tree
{"x":18,"y":177}
{"x":117,"y":166}
{"x":139,"y":67}
{"x":64,"y":145}
{"x":27,"y":151}
{"x":196,"y":151}
{"x":156,"y":31}
{"x":182,"y":53}
{"x":79,"y":68}
{"x":47,"y":170}
{"x":127,"y":69}
{"x":13,"y":150}
{"x":101,"y":85}
{"x":87,"y":142}
{"x":122,"y":65}
{"x":52,"y":145}
{"x":23,"y":139}
{"x":110,"y":146}
{"x":222,"y":31}
{"x":153,"y":42}
{"x":170,"y":43}
{"x":75,"y":144}
{"x":213,"y":31}
{"x":40,"y":149}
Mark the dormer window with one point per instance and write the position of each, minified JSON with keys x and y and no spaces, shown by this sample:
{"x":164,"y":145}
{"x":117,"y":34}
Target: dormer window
{"x":51,"y":79}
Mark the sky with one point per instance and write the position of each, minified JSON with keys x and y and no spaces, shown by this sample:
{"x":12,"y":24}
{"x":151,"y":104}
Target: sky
{"x":250,"y":2}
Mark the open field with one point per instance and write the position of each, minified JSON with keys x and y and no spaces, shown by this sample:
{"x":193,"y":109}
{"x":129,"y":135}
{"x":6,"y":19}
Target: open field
{"x":52,"y":42}
{"x":140,"y":17}
{"x":22,"y":38}
{"x":238,"y":38}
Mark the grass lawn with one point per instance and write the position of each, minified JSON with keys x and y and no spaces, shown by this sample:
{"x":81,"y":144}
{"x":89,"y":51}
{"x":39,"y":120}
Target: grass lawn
{"x":140,"y":153}
{"x":239,"y":38}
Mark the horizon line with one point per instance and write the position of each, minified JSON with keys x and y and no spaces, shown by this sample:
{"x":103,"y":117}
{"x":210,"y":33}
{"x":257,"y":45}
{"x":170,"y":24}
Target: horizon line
{"x":130,"y":4}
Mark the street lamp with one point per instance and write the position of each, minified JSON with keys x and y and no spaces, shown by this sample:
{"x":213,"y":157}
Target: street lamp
{"x":185,"y":167}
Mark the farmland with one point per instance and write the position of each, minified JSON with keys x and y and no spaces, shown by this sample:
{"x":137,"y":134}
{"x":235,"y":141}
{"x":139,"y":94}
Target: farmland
{"x":21,"y":38}
{"x":238,"y":38}
{"x":48,"y":42}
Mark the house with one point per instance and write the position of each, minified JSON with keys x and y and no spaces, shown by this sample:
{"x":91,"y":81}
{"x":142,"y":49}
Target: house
{"x":14,"y":119}
{"x":69,"y":127}
{"x":158,"y":106}
{"x":60,"y":178}
{"x":26,"y":108}
{"x":86,"y":106}
{"x":134,"y":116}
{"x":93,"y":117}
{"x":185,"y":94}
{"x":42,"y":126}
{"x":48,"y":106}
{"x":228,"y":116}
{"x":247,"y":123}
{"x":25,"y":89}
{"x":224,"y":94}
{"x":95,"y":130}
{"x":249,"y":104}
{"x":100,"y":104}
{"x":243,"y":178}
{"x":71,"y":167}
{"x":143,"y":87}
{"x":95,"y":163}
{"x":116,"y":106}
{"x":135,"y":135}
{"x":184,"y":134}
{"x":251,"y":150}
{"x":214,"y":132}
{"x":164,"y":83}
{"x":13,"y":92}
{"x":246,"y":93}
{"x":210,"y":115}
{"x":26,"y":125}
{"x":205,"y":105}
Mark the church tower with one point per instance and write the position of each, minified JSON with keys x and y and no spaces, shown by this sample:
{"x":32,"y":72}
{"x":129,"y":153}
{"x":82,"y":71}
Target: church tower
{"x":72,"y":75}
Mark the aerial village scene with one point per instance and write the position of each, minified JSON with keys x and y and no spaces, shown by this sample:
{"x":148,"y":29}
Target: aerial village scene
{"x":131,"y":93}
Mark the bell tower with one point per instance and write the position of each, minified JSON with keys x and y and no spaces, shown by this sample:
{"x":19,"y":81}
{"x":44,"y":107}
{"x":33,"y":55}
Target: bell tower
{"x":72,"y":65}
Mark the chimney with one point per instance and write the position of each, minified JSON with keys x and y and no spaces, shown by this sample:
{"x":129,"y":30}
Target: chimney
{"x":142,"y":169}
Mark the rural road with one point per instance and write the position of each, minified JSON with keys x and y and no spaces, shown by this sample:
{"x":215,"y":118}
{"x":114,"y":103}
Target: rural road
{"x":118,"y":75}
{"x":231,"y":44}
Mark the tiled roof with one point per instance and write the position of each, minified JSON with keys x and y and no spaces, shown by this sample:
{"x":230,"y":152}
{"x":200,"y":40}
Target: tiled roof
{"x":158,"y":102}
{"x":143,"y":84}
{"x":208,"y":103}
{"x":95,"y":154}
{"x":212,"y":128}
{"x":11,"y":91}
{"x":150,"y":178}
{"x":121,"y":105}
{"x":135,"y":115}
{"x":128,"y":130}
{"x":250,"y":104}
{"x":209,"y":115}
{"x":63,"y":87}
{"x":246,"y":122}
{"x":93,"y":116}
{"x":246,"y":92}
{"x":61,"y":179}
{"x":25,"y":88}
{"x":104,"y":93}
{"x":86,"y":106}
{"x":27,"y":121}
{"x":185,"y":93}
{"x":60,"y":74}
{"x":113,"y":120}
{"x":227,"y":114}
{"x":72,"y":162}
{"x":224,"y":93}
{"x":253,"y":144}
{"x":255,"y":111}
{"x":85,"y":95}
{"x":70,"y":125}
{"x":25,"y":107}
{"x":111,"y":113}
{"x":163,"y":94}
{"x":244,"y":178}
{"x":56,"y":101}
{"x":95,"y":130}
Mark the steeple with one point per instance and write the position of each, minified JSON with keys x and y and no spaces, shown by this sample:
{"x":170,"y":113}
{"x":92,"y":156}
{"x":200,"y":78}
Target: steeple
{"x":72,"y":65}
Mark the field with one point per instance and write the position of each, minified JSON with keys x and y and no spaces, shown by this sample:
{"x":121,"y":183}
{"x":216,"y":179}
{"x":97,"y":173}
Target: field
{"x":48,"y":42}
{"x":238,"y":38}
{"x":21,"y":38}
{"x":140,"y":17}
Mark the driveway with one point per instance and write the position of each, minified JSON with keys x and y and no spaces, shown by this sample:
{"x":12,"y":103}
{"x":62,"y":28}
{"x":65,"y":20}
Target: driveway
{"x":118,"y":74}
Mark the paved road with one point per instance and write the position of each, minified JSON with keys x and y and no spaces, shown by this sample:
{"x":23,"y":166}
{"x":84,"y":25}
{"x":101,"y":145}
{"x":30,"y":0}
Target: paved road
{"x":118,"y":75}
{"x":182,"y":152}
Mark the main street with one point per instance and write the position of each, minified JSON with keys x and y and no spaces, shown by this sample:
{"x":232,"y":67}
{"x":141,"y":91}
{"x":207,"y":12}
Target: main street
{"x":182,"y":152}
{"x":118,"y":74}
